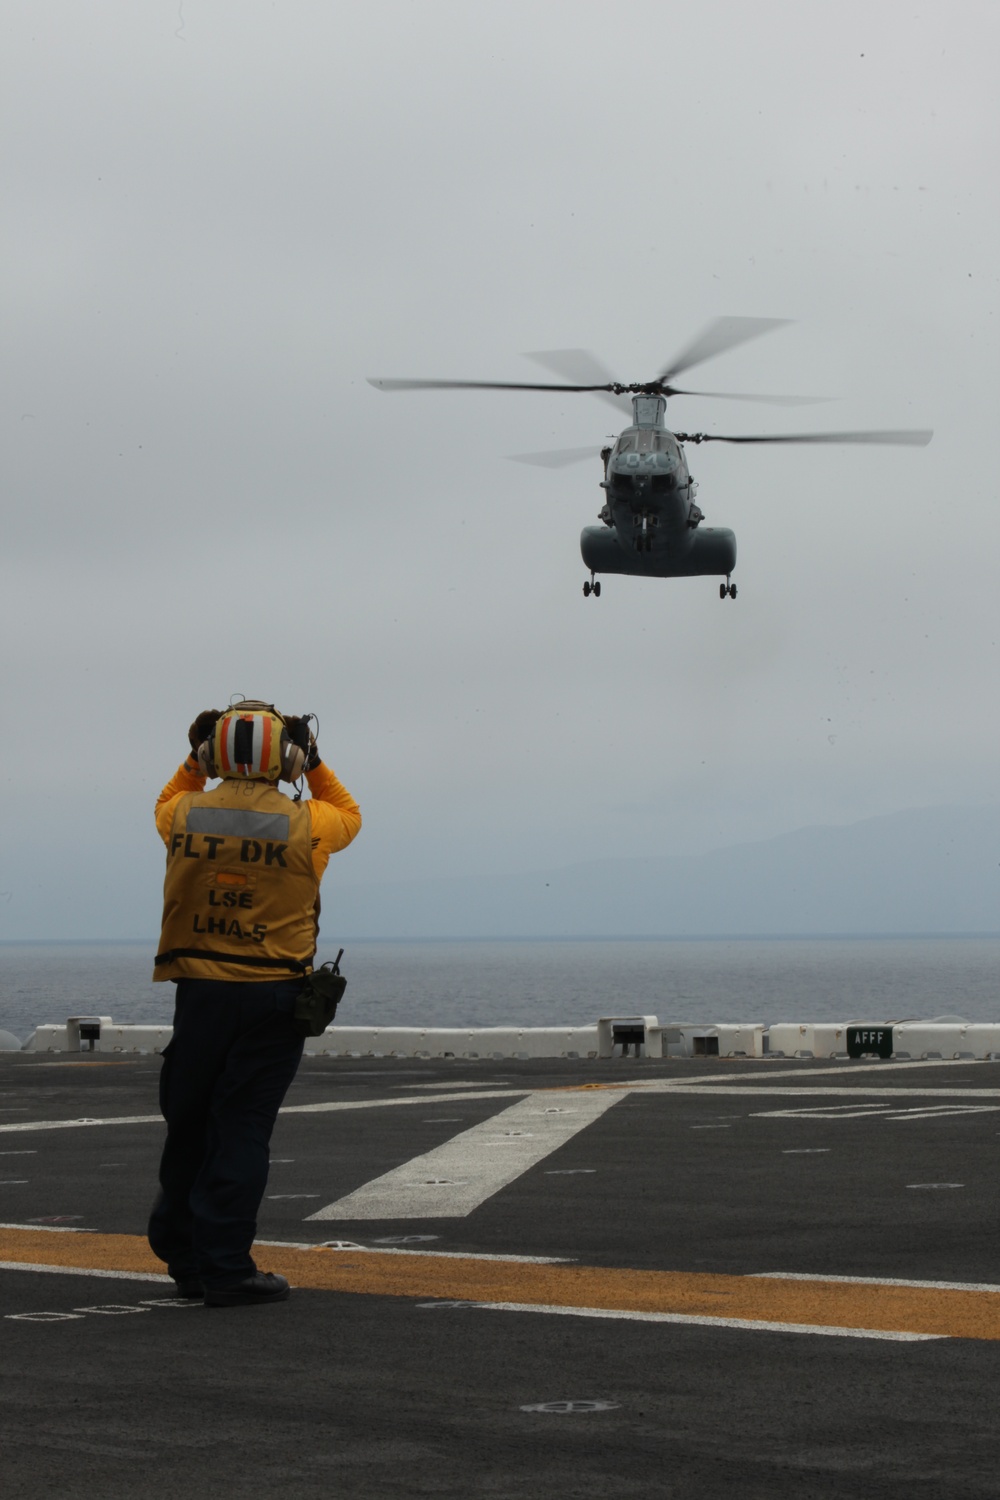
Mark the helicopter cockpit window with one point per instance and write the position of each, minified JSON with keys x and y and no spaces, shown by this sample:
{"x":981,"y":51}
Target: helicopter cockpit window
{"x":626,"y":444}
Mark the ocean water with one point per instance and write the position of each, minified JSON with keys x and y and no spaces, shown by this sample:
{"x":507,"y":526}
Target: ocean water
{"x":543,"y":983}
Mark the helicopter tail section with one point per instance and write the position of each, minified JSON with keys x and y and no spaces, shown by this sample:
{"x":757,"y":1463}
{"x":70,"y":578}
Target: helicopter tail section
{"x":709,"y":551}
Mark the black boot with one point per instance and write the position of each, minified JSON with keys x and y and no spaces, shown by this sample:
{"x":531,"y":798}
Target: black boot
{"x":262,"y":1286}
{"x":189,"y":1287}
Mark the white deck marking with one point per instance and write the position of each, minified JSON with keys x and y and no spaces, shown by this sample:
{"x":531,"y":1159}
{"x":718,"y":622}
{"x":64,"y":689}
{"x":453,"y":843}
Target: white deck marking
{"x":453,"y":1083}
{"x":289,"y":1109}
{"x":751,"y":1325}
{"x":77,"y":1124}
{"x":407,"y":1100}
{"x":23,"y":1265}
{"x":869,"y":1111}
{"x":378,"y":1249}
{"x":939,"y":1111}
{"x":455,"y":1178}
{"x":50,"y":1228}
{"x":42,"y":1317}
{"x":933,"y":1286}
{"x":113,"y":1309}
{"x":801,"y":1091}
{"x":801,"y":1068}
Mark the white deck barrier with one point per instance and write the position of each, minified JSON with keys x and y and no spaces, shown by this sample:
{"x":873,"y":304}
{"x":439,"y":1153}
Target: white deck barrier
{"x":97,"y":1034}
{"x":439,"y":1041}
{"x":945,"y":1038}
{"x":693,"y":1039}
{"x":611,"y":1036}
{"x":786,"y":1039}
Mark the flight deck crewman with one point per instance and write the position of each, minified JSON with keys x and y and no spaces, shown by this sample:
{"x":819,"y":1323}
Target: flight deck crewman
{"x":240,"y":925}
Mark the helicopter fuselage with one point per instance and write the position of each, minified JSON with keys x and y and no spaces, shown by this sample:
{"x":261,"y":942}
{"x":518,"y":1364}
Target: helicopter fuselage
{"x":651,"y":525}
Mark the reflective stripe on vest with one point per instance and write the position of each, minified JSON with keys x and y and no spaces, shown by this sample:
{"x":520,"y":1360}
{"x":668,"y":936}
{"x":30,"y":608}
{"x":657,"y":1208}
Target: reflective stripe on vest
{"x":240,"y":898}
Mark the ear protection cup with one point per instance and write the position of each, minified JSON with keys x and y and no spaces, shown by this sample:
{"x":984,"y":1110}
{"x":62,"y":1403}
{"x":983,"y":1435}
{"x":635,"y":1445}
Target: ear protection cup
{"x":293,"y":758}
{"x":206,"y":757}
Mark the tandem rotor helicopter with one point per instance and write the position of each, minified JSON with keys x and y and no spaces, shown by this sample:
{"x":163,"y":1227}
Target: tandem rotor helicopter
{"x":651,"y":526}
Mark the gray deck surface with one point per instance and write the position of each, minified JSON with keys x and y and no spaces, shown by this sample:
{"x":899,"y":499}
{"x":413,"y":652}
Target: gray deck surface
{"x":373,"y":1395}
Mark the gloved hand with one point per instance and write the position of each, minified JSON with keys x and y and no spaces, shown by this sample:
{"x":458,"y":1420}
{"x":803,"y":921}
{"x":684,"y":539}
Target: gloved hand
{"x":203,"y":727}
{"x":300,"y":734}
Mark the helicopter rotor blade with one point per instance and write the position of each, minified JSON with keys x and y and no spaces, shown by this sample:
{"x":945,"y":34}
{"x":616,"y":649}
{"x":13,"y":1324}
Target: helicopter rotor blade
{"x":581,"y":366}
{"x":767,"y":400}
{"x":905,"y":437}
{"x":475,"y":385}
{"x":578,"y":365}
{"x":555,"y":458}
{"x":721,"y":334}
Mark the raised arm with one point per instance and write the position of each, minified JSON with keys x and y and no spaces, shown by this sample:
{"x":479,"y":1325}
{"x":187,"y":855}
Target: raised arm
{"x":336,"y":817}
{"x":187,"y":778}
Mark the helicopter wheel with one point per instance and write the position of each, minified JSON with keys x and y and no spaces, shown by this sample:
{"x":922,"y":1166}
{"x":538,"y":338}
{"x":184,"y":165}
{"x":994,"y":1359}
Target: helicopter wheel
{"x":586,"y":589}
{"x":597,"y":590}
{"x":732,"y":591}
{"x":723,"y":590}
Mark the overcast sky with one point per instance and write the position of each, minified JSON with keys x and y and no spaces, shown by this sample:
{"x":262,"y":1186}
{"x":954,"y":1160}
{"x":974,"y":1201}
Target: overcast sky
{"x":221,"y":217}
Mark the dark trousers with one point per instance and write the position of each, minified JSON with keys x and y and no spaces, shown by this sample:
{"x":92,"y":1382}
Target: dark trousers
{"x":234,"y":1053}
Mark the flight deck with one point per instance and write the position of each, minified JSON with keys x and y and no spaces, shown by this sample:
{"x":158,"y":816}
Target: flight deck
{"x":563,"y":1277}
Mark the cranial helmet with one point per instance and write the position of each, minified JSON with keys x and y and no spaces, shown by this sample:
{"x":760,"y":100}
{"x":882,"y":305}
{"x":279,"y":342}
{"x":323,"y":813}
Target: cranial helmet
{"x":251,"y":742}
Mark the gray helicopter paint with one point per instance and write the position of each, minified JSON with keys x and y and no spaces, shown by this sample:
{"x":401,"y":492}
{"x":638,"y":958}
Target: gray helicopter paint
{"x":650,"y":519}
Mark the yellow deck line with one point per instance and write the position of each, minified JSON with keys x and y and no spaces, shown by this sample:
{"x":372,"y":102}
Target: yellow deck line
{"x":953,"y":1313}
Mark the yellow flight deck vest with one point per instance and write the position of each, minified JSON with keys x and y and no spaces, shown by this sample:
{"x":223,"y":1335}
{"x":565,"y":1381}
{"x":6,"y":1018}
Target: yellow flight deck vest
{"x":241,"y":897}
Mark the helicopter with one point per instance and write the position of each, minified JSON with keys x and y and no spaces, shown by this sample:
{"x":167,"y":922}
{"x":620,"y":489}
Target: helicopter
{"x":651,"y":526}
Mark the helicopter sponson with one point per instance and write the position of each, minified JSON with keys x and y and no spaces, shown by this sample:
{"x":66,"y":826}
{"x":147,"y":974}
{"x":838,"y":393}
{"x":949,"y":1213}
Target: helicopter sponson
{"x":709,"y":552}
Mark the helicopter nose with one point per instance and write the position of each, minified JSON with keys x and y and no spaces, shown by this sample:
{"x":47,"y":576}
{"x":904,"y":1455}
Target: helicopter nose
{"x":635,"y":474}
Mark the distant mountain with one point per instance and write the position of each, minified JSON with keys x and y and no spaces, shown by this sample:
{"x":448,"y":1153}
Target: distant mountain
{"x":920,"y":871}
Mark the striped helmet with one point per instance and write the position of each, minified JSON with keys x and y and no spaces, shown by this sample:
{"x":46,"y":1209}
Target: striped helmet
{"x":248,"y":743}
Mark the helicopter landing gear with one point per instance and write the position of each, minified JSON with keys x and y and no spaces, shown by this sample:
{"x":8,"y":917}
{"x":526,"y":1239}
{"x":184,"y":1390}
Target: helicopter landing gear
{"x":727,"y":588}
{"x":592,"y":586}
